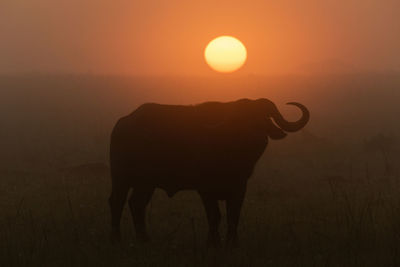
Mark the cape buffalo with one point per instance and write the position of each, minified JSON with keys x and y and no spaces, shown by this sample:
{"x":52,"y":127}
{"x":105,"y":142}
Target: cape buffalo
{"x":211,"y":148}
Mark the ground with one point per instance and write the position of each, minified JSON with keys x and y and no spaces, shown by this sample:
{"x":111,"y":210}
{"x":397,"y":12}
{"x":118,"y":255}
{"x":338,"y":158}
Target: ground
{"x":308,"y":206}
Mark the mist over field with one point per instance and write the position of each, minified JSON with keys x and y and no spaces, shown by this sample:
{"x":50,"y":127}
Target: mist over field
{"x":327,"y":195}
{"x":73,"y":115}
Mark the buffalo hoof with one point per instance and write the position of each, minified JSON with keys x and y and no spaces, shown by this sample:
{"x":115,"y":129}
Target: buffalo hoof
{"x":214,"y":243}
{"x":232,"y":243}
{"x":143,"y":238}
{"x":115,"y":238}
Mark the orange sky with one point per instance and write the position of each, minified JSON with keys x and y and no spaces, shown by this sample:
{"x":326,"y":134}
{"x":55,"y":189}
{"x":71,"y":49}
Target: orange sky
{"x":162,"y":37}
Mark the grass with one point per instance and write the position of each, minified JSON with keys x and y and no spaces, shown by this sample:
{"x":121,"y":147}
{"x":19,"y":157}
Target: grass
{"x":325,"y":210}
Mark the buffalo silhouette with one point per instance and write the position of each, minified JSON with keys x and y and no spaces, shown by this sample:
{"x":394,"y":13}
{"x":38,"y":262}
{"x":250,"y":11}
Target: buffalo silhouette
{"x":211,"y":148}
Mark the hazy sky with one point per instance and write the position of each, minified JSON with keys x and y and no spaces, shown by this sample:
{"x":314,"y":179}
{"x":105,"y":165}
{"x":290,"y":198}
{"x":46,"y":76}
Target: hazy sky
{"x":169,"y":36}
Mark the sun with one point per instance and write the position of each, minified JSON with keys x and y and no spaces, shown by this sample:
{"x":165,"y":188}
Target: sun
{"x":225,"y":54}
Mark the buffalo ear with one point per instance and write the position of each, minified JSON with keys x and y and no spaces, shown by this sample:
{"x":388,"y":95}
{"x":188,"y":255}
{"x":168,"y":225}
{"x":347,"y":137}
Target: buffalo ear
{"x":273,"y":131}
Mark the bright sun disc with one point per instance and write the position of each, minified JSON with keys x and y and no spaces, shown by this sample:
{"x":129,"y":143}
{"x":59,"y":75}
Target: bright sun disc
{"x":225,"y":54}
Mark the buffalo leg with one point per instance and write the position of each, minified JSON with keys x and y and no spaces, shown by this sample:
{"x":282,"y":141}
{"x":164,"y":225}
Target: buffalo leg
{"x":233,"y":207}
{"x":116,"y":202}
{"x":213,"y":217}
{"x":138,"y":202}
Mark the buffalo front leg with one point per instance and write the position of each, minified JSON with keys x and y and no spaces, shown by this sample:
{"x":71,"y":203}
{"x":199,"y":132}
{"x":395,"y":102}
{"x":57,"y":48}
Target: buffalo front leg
{"x":214,"y":218}
{"x":116,"y":202}
{"x":233,"y":208}
{"x":138,"y":202}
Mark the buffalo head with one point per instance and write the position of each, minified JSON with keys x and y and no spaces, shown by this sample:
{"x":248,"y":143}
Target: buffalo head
{"x":263,"y":115}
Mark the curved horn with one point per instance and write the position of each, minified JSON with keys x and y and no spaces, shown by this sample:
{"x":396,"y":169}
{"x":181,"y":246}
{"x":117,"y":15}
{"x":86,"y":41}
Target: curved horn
{"x":291,"y":126}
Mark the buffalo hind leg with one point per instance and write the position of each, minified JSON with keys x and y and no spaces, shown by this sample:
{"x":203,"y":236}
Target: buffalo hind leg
{"x":138,"y":202}
{"x":214,"y":218}
{"x":117,"y":202}
{"x":233,"y":207}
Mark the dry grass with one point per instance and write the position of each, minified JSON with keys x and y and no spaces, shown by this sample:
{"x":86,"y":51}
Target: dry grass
{"x":322,"y":211}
